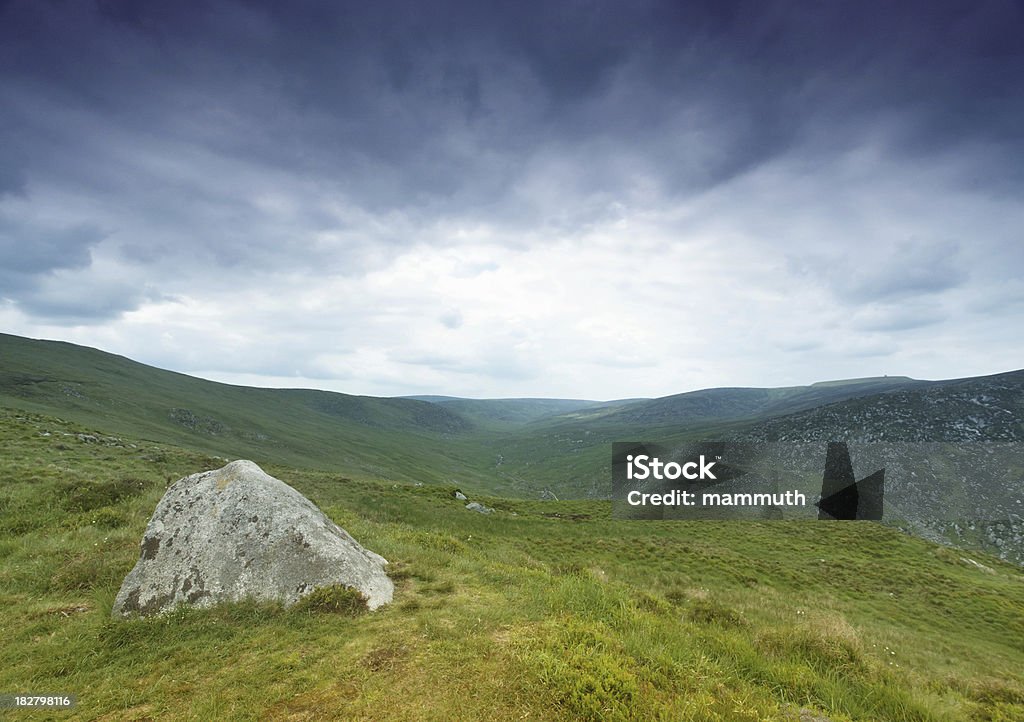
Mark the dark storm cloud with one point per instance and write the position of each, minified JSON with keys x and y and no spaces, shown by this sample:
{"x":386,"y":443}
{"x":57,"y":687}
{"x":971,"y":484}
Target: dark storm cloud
{"x":411,"y":104}
{"x":29,"y":250}
{"x":30,"y":254}
{"x":72,"y":302}
{"x":12,"y":175}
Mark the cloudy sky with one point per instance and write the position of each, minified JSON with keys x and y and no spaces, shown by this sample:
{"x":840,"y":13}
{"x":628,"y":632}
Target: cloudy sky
{"x":576,"y":199}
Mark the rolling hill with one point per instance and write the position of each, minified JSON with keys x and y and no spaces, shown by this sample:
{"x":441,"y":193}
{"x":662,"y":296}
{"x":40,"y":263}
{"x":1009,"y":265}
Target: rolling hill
{"x":985,"y":408}
{"x":503,"y":413}
{"x":540,"y":610}
{"x":731,"y":404}
{"x":360,"y":435}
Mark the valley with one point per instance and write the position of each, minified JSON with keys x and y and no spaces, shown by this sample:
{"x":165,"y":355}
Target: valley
{"x":540,"y":609}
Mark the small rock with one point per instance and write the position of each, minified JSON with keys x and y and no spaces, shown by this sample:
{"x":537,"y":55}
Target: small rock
{"x":478,"y":507}
{"x":978,"y":565}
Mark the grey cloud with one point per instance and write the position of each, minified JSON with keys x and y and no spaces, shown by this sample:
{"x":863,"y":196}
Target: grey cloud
{"x":408,"y":105}
{"x":30,"y":248}
{"x":897,"y":317}
{"x":451,"y":319}
{"x":13,"y":179}
{"x":30,"y":254}
{"x":77,"y":300}
{"x":872,"y":351}
{"x":998,"y":300}
{"x":498,"y":363}
{"x":913,"y":269}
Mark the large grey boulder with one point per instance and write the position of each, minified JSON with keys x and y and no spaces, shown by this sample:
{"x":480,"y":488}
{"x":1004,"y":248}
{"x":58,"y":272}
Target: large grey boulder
{"x":237,"y":533}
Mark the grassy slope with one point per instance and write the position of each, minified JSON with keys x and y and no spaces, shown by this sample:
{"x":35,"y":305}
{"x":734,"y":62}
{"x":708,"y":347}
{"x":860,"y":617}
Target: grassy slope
{"x":554,"y":612}
{"x":504,"y":413}
{"x":361,"y":436}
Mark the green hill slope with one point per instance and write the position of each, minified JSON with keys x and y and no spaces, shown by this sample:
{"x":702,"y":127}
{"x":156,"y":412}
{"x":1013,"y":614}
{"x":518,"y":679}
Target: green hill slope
{"x":396,"y":438}
{"x":538,"y":611}
{"x":568,"y":453}
{"x":514,"y":412}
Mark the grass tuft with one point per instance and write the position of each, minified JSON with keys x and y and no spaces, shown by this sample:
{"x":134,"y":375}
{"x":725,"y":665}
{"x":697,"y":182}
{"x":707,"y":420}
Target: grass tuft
{"x":334,"y":599}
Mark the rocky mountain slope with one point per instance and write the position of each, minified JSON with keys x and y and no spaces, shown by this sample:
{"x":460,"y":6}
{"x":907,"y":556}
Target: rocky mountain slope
{"x":953,"y":453}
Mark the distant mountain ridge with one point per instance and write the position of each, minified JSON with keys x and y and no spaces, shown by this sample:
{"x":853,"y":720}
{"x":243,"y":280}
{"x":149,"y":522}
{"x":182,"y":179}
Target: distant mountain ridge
{"x":738,"y":403}
{"x":981,"y":408}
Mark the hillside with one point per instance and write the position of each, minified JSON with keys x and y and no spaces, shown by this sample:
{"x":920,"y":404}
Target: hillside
{"x":81,"y":378}
{"x":513,"y":412}
{"x":397,"y":438}
{"x":568,"y":453}
{"x":731,"y":404}
{"x":953,"y":453}
{"x":531,"y":448}
{"x":986,"y":408}
{"x":542,"y":610}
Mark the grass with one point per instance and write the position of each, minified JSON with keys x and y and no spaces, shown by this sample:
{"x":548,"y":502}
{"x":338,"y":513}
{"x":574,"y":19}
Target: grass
{"x":542,"y":610}
{"x":400,"y":439}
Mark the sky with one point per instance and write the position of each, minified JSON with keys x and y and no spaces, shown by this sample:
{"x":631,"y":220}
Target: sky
{"x":565,"y":199}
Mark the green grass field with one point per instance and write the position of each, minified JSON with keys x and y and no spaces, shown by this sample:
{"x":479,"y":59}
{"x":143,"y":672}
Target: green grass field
{"x":543,"y":610}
